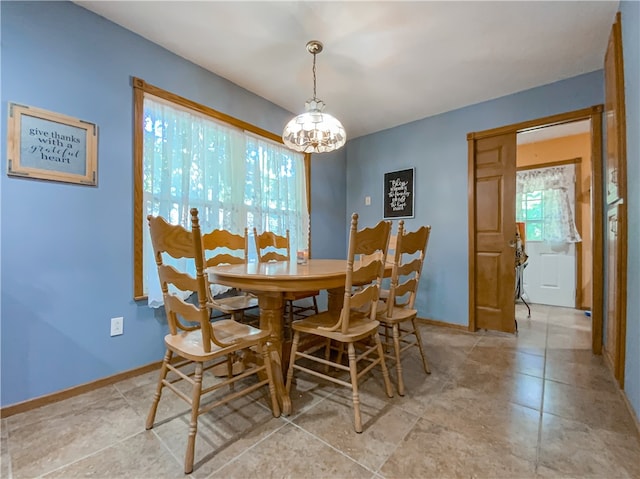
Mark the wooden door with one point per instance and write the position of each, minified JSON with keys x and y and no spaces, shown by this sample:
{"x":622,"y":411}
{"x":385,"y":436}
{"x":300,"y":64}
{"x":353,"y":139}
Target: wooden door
{"x":614,"y":115}
{"x":616,"y":184}
{"x":492,"y":265}
{"x":615,"y":329}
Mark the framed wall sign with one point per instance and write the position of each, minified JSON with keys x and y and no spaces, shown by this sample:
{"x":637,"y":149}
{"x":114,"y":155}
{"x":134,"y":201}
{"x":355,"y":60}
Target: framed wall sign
{"x":398,"y":194}
{"x":50,"y":146}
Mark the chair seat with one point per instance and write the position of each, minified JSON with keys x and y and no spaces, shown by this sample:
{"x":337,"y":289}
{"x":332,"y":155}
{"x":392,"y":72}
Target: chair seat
{"x":232,"y":304}
{"x":359,"y":327}
{"x":189,"y":343}
{"x":398,"y":314}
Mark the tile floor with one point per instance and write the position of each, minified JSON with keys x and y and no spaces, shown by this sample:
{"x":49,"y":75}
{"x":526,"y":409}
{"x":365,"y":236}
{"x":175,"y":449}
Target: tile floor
{"x":538,"y":405}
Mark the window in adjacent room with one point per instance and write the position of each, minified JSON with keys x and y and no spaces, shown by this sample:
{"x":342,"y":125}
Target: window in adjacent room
{"x":545,"y":205}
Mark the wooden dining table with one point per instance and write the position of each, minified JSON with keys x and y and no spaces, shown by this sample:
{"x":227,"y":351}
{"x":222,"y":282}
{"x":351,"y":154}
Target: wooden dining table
{"x":269,"y":281}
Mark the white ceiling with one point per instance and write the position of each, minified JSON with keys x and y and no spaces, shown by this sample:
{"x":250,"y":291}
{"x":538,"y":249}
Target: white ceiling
{"x":384,"y":63}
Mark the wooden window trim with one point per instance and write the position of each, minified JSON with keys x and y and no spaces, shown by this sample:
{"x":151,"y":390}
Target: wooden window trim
{"x":140,"y":87}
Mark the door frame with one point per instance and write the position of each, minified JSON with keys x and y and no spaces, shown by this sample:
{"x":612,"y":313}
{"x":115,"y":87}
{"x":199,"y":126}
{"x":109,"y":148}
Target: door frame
{"x":594,"y":114}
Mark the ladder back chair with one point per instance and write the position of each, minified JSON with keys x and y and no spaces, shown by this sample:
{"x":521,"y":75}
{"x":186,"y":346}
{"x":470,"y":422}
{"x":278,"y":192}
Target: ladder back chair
{"x":398,"y":314}
{"x":355,"y":322}
{"x":384,"y":293}
{"x":273,"y":247}
{"x":194,"y":340}
{"x":223,"y":247}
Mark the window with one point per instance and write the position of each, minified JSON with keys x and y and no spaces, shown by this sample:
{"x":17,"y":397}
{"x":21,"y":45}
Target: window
{"x":237,"y":175}
{"x":530,"y":211}
{"x":545,"y":202}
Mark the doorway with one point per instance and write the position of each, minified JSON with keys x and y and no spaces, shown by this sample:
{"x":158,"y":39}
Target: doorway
{"x":553,"y":203}
{"x":492,"y":225}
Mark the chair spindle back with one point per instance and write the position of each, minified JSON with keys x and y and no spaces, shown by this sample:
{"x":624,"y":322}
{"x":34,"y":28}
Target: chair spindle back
{"x":408,"y":261}
{"x":272,"y":247}
{"x":177,"y":242}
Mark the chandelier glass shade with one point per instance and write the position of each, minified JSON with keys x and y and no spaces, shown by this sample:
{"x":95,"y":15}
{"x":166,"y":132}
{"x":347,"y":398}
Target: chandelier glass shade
{"x":314,"y":131}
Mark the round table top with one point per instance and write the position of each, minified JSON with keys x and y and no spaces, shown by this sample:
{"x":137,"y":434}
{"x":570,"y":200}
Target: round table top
{"x":282,"y":275}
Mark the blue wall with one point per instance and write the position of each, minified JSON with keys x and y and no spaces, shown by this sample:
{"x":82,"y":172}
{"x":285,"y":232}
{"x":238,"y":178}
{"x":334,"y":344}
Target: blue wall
{"x":437,"y":148}
{"x":631,"y":51}
{"x":67,"y":250}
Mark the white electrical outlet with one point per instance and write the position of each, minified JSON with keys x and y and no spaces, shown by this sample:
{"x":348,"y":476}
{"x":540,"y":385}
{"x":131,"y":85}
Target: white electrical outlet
{"x":367,"y":200}
{"x":117,"y":326}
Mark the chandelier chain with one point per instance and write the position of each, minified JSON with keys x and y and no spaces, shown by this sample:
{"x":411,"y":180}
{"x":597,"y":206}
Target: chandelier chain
{"x":314,"y":76}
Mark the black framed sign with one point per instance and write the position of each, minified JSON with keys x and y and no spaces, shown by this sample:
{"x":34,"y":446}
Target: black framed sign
{"x":398,"y":194}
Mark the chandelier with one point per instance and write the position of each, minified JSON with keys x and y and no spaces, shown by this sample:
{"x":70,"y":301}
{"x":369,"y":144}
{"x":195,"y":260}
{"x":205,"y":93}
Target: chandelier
{"x":314,"y":131}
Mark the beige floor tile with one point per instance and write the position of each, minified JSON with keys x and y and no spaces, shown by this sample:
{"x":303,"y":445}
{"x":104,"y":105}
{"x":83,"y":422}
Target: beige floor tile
{"x":5,"y":459}
{"x":500,"y":385}
{"x":306,"y":391}
{"x":147,"y":379}
{"x":478,"y":415}
{"x":599,"y":409}
{"x":332,"y":420}
{"x":507,"y":426}
{"x":509,"y":360}
{"x":572,"y":447}
{"x":566,"y":354}
{"x":140,"y":456}
{"x":40,"y":447}
{"x":444,"y":359}
{"x":83,"y":401}
{"x":451,"y":338}
{"x":543,"y":472}
{"x":223,"y":433}
{"x":533,"y":342}
{"x":568,"y":337}
{"x":292,"y":453}
{"x":140,"y":399}
{"x":591,"y":375}
{"x":431,"y":450}
{"x":570,"y":318}
{"x":420,"y":389}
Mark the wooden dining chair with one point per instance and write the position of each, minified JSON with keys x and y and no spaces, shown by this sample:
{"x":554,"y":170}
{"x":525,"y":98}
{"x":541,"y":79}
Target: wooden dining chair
{"x":198,"y":344}
{"x":384,"y":291}
{"x":273,"y":247}
{"x":355,"y":322}
{"x":223,"y":247}
{"x":397,"y":315}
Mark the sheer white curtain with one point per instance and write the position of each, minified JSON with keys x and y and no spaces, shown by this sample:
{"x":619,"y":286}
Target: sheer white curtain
{"x":190,"y":161}
{"x":555,"y":183}
{"x":276,"y":196}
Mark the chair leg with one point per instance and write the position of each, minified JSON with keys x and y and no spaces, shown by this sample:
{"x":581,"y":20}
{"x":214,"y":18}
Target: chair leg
{"x":396,"y":347}
{"x":386,"y":343}
{"x":231,"y":358}
{"x":263,"y":349}
{"x":353,"y":370}
{"x":290,"y":313}
{"x":156,"y":398}
{"x":327,"y":354}
{"x":416,"y":331}
{"x":292,"y":359}
{"x":193,"y":423}
{"x":340,"y":353}
{"x":315,"y":305}
{"x":383,"y":365}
